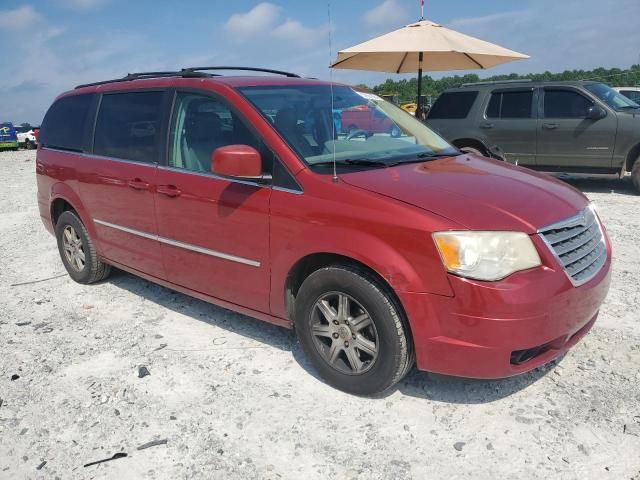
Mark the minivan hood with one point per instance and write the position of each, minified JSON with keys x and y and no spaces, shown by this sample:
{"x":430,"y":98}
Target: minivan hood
{"x":476,"y":192}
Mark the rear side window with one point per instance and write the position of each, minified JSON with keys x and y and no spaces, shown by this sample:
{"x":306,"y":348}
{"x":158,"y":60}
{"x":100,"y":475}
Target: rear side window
{"x":64,"y":124}
{"x":565,"y":104}
{"x":453,"y":105}
{"x":511,"y":104}
{"x":128,"y":126}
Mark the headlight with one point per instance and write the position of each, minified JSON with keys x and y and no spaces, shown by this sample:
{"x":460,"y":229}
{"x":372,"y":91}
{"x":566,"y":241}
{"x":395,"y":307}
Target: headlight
{"x":486,"y":255}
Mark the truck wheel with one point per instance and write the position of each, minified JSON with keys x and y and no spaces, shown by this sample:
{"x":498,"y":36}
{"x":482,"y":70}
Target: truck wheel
{"x":473,"y":150}
{"x":352,"y":331}
{"x":635,"y":174}
{"x":395,"y":131}
{"x":77,"y":251}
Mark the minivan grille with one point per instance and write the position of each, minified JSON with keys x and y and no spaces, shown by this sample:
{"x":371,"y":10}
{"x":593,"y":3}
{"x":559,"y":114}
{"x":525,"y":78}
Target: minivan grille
{"x":578,"y":244}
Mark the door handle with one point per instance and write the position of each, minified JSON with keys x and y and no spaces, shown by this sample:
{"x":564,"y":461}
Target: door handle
{"x":486,"y":125}
{"x":550,"y":126}
{"x":169,"y":190}
{"x":138,"y":184}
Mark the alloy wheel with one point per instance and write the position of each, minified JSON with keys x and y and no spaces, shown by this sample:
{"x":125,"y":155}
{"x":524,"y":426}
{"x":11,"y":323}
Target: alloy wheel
{"x":344,"y":333}
{"x":73,"y":248}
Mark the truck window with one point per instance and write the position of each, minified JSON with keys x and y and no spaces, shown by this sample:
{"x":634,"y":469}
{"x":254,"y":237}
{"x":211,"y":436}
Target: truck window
{"x":453,"y":105}
{"x":565,"y":104}
{"x":631,"y":94}
{"x":510,"y":104}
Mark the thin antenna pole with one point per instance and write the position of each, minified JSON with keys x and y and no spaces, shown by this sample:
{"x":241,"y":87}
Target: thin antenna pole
{"x":421,"y":9}
{"x":333,"y":122}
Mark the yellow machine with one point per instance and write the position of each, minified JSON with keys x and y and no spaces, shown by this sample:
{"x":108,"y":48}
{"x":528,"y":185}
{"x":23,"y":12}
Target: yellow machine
{"x":409,"y":107}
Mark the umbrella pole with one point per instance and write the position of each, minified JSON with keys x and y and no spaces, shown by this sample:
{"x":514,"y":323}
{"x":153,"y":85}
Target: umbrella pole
{"x":419,"y":103}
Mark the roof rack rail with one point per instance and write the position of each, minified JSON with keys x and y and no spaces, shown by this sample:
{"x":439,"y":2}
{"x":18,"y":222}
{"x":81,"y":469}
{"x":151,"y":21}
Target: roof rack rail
{"x":144,"y":75}
{"x":186,"y":72}
{"x":245,"y":69}
{"x":493,"y":82}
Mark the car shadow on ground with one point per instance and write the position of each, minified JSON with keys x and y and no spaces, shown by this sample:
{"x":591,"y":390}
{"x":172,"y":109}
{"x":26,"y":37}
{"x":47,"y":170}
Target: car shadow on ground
{"x":599,"y":184}
{"x":248,"y":327}
{"x":438,"y":388}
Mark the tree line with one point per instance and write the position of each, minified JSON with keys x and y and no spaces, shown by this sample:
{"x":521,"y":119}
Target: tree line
{"x":406,"y":88}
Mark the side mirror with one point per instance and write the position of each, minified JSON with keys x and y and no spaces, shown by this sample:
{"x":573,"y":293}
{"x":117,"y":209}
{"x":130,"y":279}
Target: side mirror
{"x":596,"y":112}
{"x":237,"y":161}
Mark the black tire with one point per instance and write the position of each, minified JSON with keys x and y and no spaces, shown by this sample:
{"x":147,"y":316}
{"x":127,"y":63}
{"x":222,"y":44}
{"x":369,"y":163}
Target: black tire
{"x":93,"y":269}
{"x":392,"y":339}
{"x":395,"y":131}
{"x":635,"y":174}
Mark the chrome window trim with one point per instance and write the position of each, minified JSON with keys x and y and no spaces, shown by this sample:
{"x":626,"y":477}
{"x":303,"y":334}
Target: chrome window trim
{"x":102,"y":157}
{"x":228,"y":179}
{"x":176,"y":243}
{"x":211,"y":175}
{"x":287,"y":190}
{"x":577,"y":220}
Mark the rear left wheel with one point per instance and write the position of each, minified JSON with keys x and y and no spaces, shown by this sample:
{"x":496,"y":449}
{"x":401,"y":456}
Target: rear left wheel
{"x":77,"y":251}
{"x":352,"y":331}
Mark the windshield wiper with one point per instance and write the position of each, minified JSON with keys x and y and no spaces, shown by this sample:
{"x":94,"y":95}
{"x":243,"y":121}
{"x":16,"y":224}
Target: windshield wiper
{"x":422,"y":157}
{"x":350,"y":162}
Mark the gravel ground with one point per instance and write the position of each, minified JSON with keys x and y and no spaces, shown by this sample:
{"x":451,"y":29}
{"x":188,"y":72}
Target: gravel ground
{"x":234,"y":398}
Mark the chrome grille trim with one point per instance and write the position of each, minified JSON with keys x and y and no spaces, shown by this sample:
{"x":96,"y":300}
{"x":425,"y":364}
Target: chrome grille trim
{"x":578,"y":244}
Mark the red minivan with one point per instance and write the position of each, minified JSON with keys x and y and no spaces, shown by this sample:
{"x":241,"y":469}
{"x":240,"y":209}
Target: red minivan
{"x":379,"y":251}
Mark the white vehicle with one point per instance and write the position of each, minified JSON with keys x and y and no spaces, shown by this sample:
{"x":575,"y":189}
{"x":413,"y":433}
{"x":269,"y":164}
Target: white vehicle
{"x":26,"y":137}
{"x":630,"y":92}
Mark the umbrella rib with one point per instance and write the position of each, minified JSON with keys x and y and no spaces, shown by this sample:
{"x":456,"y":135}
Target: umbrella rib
{"x":473,"y":60}
{"x":402,"y":62}
{"x":341,"y":61}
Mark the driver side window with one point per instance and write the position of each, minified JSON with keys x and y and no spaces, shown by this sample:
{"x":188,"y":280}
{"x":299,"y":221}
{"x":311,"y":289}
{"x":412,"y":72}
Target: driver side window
{"x":200,"y":125}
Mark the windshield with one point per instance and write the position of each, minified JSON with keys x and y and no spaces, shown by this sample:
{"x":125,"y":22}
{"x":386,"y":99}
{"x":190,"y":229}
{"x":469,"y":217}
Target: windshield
{"x":608,"y":95}
{"x":364,"y":129}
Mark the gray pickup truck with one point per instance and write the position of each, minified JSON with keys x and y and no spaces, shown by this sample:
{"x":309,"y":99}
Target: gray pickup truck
{"x":573,"y":127}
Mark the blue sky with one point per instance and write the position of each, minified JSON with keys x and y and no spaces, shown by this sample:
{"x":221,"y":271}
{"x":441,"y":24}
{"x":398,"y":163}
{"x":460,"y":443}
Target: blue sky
{"x":49,"y":46}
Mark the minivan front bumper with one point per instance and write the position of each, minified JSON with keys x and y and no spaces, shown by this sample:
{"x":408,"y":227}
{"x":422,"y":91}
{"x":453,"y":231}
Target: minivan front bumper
{"x":501,"y":329}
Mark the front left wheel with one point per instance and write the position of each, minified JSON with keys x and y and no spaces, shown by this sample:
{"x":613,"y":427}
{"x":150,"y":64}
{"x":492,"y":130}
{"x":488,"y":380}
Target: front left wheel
{"x":352,"y":330}
{"x":77,"y":251}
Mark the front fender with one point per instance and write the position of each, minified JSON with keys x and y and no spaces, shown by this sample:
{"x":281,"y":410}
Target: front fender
{"x":401,"y":270}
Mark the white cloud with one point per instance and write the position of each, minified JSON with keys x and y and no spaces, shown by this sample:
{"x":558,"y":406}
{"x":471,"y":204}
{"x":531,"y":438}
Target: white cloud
{"x":83,"y":4}
{"x":488,"y":19}
{"x":294,"y":31}
{"x":18,"y":18}
{"x":265,"y":21}
{"x":259,"y":19}
{"x":388,"y":14}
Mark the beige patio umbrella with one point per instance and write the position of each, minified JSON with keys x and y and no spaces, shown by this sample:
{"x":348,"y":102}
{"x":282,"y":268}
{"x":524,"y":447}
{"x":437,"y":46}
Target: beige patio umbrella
{"x":424,"y":45}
